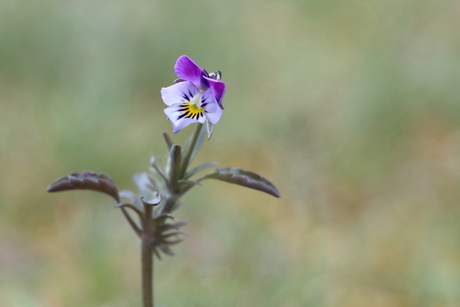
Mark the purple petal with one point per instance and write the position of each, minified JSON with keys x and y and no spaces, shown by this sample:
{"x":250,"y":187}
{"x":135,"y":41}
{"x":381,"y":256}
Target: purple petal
{"x":218,"y":88}
{"x":212,"y":109}
{"x":188,"y":70}
{"x":174,"y":114}
{"x":179,"y":92}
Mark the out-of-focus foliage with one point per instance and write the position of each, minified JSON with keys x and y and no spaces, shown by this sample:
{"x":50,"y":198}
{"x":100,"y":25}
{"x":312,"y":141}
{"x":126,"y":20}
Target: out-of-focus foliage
{"x":350,"y":107}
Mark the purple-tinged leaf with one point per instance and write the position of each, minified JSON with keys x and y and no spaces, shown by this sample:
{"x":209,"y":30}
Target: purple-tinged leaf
{"x":86,"y":181}
{"x":244,"y":178}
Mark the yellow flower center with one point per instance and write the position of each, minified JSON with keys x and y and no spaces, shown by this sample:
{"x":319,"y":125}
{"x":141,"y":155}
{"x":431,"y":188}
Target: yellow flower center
{"x":192,"y":108}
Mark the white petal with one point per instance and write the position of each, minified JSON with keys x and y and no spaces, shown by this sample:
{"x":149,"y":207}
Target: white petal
{"x":178,"y":121}
{"x":212,"y":110}
{"x":179,"y":92}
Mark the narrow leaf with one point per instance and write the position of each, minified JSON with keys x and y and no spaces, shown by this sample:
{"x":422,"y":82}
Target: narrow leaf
{"x":157,"y":253}
{"x":199,"y":168}
{"x":86,"y":181}
{"x":165,"y":249}
{"x":244,"y":178}
{"x":172,"y":242}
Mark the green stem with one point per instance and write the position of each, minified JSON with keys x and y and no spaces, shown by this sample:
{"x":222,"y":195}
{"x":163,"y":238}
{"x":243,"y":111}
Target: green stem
{"x":188,"y":155}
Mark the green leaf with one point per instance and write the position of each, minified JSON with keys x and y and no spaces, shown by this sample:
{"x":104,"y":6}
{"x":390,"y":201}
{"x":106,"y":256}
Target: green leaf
{"x":86,"y":181}
{"x":199,"y":168}
{"x":244,"y":178}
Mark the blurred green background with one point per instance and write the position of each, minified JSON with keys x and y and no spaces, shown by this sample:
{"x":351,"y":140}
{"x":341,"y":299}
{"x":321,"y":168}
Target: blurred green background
{"x":350,"y":107}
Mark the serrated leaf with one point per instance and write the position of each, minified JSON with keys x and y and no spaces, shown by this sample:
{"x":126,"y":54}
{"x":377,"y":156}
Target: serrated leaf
{"x":244,"y":178}
{"x":86,"y":181}
{"x":199,"y":168}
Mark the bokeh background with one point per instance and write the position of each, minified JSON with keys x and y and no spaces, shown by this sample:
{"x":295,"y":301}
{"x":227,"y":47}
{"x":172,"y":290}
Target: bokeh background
{"x":350,"y":107}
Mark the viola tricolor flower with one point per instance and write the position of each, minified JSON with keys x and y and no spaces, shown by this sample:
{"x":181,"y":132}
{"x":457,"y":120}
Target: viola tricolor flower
{"x":195,"y":98}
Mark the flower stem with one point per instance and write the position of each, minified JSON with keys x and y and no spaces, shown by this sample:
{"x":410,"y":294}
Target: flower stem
{"x":147,"y":273}
{"x":188,"y":155}
{"x":147,"y":258}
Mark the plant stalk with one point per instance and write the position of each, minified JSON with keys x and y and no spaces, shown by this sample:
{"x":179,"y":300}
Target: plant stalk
{"x":147,"y":273}
{"x":186,"y":159}
{"x":147,"y":259}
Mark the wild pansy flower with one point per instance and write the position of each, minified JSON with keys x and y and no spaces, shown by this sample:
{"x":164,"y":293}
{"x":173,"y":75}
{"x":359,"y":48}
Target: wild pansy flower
{"x":195,"y":98}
